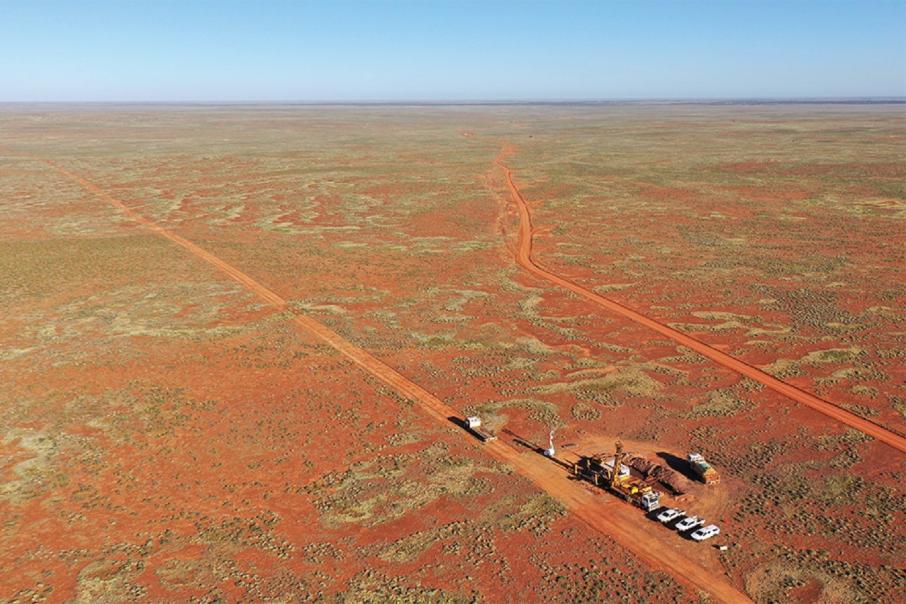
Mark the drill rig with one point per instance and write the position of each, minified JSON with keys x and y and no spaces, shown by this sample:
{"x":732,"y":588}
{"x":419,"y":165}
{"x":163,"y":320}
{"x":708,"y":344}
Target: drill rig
{"x":611,"y":474}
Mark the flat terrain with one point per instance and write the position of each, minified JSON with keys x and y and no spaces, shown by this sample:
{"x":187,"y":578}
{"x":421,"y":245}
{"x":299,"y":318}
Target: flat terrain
{"x":233,"y":336}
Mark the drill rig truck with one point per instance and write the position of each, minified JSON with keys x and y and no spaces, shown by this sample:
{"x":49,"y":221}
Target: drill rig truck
{"x":612,"y":475}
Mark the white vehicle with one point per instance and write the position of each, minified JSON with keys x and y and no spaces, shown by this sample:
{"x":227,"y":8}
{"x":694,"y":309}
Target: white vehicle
{"x":689,"y":523}
{"x":669,"y":515}
{"x":705,"y":532}
{"x":473,"y":423}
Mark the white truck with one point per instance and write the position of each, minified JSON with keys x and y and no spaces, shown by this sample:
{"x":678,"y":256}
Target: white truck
{"x":473,"y":423}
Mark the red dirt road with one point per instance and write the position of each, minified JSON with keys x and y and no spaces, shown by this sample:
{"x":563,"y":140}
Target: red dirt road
{"x":524,"y":258}
{"x":624,"y":524}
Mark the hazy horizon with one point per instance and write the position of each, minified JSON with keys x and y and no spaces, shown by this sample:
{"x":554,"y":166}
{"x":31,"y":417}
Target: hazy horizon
{"x":867,"y":100}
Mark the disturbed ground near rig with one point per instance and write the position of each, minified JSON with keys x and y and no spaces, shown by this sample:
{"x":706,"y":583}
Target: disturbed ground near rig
{"x":165,"y":434}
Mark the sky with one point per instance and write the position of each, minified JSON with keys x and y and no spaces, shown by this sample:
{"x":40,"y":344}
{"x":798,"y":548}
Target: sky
{"x":270,"y":50}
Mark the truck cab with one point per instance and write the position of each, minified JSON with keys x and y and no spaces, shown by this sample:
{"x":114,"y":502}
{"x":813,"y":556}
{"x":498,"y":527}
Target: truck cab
{"x":650,"y":501}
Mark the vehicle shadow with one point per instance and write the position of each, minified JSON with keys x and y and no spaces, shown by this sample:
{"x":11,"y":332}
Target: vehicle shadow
{"x":462,"y":425}
{"x":458,"y":422}
{"x":653,"y":514}
{"x":524,"y":442}
{"x":687,"y":535}
{"x":678,"y":464}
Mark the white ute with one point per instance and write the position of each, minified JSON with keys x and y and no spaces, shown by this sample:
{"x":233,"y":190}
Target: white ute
{"x":669,"y":515}
{"x":706,"y":532}
{"x":689,"y":523}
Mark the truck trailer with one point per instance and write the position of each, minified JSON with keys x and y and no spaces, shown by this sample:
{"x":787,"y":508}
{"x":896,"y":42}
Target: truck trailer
{"x":705,"y":472}
{"x":473,"y":423}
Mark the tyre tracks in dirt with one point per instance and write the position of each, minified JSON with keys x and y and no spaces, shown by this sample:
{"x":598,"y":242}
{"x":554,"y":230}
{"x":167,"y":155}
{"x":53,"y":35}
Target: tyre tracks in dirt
{"x":523,"y":255}
{"x":597,"y":510}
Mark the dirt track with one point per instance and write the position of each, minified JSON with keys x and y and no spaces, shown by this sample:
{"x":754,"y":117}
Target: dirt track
{"x":524,"y":258}
{"x":615,"y":519}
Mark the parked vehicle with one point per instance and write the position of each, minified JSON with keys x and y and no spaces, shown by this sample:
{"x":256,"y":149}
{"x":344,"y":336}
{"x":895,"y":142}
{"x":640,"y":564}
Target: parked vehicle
{"x":689,"y":523}
{"x":706,"y":532}
{"x":670,"y":514}
{"x":473,"y":424}
{"x":705,"y":471}
{"x":612,"y":474}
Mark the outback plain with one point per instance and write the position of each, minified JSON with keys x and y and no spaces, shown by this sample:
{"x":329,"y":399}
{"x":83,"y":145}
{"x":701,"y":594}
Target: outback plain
{"x":234,"y":342}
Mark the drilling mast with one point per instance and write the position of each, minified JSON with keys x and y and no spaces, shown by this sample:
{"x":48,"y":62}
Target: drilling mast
{"x":617,"y":464}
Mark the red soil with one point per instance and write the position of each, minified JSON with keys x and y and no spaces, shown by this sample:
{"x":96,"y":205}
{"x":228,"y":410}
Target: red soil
{"x":524,"y":258}
{"x":604,"y":515}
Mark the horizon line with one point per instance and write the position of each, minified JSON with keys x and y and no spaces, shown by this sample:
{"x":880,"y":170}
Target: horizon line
{"x":873,"y":99}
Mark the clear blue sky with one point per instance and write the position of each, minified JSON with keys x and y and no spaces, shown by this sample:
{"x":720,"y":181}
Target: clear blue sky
{"x":194,"y":50}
